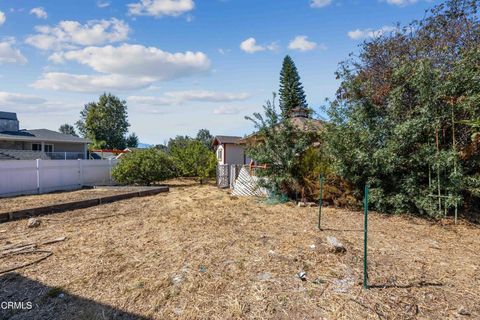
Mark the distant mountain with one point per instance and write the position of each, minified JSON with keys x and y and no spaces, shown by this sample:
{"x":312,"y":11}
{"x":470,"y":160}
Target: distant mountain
{"x":144,"y":145}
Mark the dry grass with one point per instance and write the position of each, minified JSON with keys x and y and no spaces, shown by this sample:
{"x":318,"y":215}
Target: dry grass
{"x":198,"y":253}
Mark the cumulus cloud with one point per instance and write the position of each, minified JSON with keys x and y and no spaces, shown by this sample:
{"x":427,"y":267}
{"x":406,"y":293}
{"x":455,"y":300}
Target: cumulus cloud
{"x":9,"y":99}
{"x":359,"y":34}
{"x":39,"y":12}
{"x":401,"y":3}
{"x":181,"y":97}
{"x":301,"y":43}
{"x":250,"y":46}
{"x":159,"y":8}
{"x":71,"y":34}
{"x":89,"y":83}
{"x":2,"y":18}
{"x":227,"y":110}
{"x":9,"y":54}
{"x":320,"y":3}
{"x":138,"y":61}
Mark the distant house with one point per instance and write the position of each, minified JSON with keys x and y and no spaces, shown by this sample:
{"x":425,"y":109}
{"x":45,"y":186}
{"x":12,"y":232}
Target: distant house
{"x":16,"y":144}
{"x":228,"y":151}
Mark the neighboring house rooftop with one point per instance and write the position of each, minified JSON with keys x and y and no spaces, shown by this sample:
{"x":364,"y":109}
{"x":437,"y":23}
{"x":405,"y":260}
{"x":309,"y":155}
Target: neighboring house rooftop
{"x":41,"y":135}
{"x":226,"y":139}
{"x":22,"y":155}
{"x":8,"y":115}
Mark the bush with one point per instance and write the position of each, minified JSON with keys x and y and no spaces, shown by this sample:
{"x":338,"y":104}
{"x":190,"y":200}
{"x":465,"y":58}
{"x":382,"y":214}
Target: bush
{"x":144,"y":167}
{"x":193,"y":159}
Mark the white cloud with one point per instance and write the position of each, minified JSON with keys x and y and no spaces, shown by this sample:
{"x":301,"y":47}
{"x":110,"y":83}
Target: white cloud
{"x":8,"y":99}
{"x":138,"y":61}
{"x":359,"y":34}
{"x":250,"y":46}
{"x":71,"y":34}
{"x":320,"y":3}
{"x":102,"y":4}
{"x":2,"y":18}
{"x":181,"y":97}
{"x":401,"y":3}
{"x":39,"y":12}
{"x":227,"y":110}
{"x":89,"y":83}
{"x":9,"y":54}
{"x":158,"y":8}
{"x":301,"y":43}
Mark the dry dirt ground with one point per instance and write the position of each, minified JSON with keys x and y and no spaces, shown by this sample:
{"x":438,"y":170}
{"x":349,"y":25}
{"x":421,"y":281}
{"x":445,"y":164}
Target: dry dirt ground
{"x":199,"y":253}
{"x":33,"y":201}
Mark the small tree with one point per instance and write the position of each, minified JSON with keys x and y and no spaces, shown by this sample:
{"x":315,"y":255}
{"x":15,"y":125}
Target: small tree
{"x":144,"y":167}
{"x":205,"y":138}
{"x":281,"y":148}
{"x":132,"y":140}
{"x":67,"y":129}
{"x":193,"y":159}
{"x":291,"y":89}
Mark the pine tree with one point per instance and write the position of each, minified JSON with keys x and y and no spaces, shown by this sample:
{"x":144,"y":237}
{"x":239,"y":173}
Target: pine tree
{"x":291,"y":90}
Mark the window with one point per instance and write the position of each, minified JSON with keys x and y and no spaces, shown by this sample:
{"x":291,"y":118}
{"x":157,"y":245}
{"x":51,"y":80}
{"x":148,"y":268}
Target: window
{"x":46,"y":147}
{"x":220,"y":154}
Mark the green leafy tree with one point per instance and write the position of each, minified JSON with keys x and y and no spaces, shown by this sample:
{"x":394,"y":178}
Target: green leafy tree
{"x":205,"y":138}
{"x":144,"y":167}
{"x":291,"y":91}
{"x":67,"y":129}
{"x":397,"y":120}
{"x":105,"y":122}
{"x":132,"y":141}
{"x":178,"y":142}
{"x":193,"y":159}
{"x":280,"y":148}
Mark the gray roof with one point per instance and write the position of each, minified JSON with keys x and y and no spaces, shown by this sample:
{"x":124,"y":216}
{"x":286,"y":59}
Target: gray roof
{"x":22,"y":155}
{"x":227,"y":139}
{"x":41,"y":135}
{"x":8,"y":115}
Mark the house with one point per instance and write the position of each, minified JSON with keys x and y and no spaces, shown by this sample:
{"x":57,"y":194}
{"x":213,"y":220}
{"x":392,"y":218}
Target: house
{"x":228,"y":151}
{"x":16,"y":144}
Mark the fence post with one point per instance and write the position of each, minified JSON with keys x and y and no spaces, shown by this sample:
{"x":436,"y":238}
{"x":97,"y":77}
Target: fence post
{"x":80,"y":172}
{"x":39,"y":176}
{"x":365,"y":239}
{"x":65,"y":155}
{"x":110,"y":170}
{"x":320,"y":203}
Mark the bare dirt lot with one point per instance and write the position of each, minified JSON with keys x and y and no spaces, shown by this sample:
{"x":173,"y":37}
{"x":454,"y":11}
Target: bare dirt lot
{"x":33,"y":201}
{"x":198,"y":253}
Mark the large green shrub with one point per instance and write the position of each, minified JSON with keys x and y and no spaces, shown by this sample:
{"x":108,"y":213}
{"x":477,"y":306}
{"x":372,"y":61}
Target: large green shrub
{"x":193,"y":159}
{"x":398,"y":120}
{"x":144,"y":167}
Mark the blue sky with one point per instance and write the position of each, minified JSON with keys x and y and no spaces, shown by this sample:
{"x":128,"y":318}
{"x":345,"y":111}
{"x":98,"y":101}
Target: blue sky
{"x":181,"y":65}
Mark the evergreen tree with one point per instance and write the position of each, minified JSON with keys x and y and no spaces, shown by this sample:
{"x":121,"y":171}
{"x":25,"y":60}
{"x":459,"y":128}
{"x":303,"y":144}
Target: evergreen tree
{"x":291,"y":92}
{"x":132,"y":141}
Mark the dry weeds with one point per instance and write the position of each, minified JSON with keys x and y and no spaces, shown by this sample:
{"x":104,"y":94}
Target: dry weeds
{"x":199,"y":253}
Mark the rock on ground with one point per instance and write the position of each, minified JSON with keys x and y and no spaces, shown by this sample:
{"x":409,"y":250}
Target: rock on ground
{"x":33,"y":223}
{"x":335,"y":245}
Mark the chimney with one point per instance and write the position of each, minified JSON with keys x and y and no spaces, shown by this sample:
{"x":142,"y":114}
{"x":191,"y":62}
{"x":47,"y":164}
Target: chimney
{"x":8,"y":121}
{"x":300,"y":112}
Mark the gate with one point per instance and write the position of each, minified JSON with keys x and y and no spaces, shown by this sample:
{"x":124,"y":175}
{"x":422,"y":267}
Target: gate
{"x":223,"y":176}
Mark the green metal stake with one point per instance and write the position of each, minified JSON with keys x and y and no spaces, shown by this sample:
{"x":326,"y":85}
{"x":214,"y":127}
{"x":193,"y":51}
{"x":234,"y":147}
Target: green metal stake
{"x":365,"y":239}
{"x":320,"y":203}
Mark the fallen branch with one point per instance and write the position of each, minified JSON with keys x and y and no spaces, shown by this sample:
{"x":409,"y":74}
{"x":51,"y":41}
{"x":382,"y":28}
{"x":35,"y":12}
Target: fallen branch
{"x":48,"y":254}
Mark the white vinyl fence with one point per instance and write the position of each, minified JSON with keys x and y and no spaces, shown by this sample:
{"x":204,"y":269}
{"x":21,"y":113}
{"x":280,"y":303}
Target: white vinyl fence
{"x":40,"y":176}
